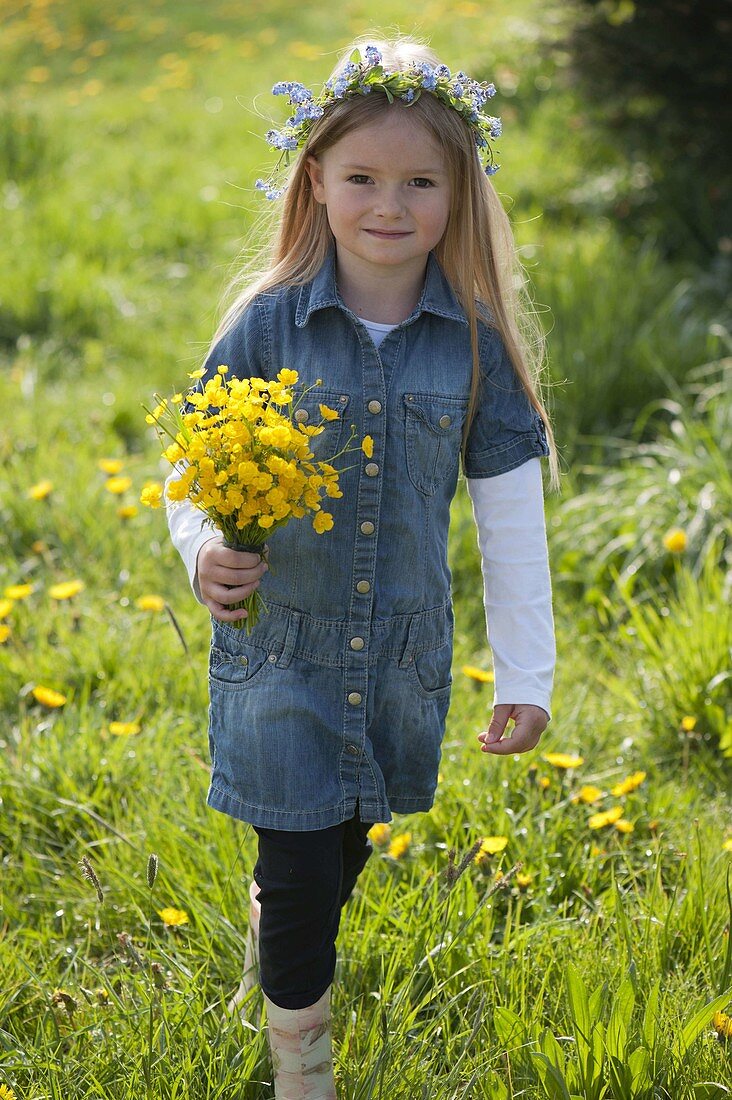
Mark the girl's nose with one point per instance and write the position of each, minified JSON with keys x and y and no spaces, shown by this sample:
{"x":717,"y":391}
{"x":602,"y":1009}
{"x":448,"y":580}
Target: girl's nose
{"x":389,"y":203}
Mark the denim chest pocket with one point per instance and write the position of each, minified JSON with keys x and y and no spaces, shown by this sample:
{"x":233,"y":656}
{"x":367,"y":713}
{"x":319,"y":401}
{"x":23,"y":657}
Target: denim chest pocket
{"x":430,"y":673}
{"x":433,"y":433}
{"x":306,"y":413}
{"x":237,"y":671}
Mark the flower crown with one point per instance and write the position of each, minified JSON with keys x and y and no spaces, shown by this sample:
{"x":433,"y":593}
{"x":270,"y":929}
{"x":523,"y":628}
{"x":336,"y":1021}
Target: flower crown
{"x":360,"y":76}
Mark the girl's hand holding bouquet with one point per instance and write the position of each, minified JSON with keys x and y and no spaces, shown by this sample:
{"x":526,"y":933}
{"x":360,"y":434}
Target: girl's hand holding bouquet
{"x":247,"y":464}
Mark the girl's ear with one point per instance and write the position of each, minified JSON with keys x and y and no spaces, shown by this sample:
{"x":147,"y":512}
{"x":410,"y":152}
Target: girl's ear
{"x":315,"y":171}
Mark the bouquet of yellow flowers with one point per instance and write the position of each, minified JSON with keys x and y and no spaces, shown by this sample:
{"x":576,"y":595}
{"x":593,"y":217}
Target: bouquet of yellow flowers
{"x":246,"y":462}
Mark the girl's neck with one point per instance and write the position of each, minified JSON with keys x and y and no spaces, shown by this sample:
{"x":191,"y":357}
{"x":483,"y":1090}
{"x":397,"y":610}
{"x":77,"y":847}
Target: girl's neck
{"x":384,"y":296}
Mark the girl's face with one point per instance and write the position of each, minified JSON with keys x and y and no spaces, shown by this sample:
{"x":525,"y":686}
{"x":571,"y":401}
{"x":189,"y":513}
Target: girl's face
{"x":387,"y":192}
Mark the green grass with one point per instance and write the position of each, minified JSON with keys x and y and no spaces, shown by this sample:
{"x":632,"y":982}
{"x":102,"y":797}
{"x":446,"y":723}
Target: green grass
{"x":122,"y":216}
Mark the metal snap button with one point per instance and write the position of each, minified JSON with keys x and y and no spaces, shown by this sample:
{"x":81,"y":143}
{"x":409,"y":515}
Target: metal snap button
{"x":363,"y":586}
{"x":445,"y":421}
{"x":353,"y":749}
{"x":301,"y":415}
{"x":374,"y":407}
{"x":367,"y":527}
{"x":272,"y":657}
{"x":354,"y":698}
{"x":371,"y":469}
{"x":243,"y":660}
{"x":357,"y":643}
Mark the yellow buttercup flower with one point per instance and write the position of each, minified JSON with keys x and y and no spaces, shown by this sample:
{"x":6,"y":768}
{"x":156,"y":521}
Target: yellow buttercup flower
{"x":606,"y":817}
{"x":328,"y":414}
{"x":688,"y":722}
{"x":40,"y":490}
{"x":380,"y":834}
{"x":48,"y":697}
{"x":152,"y":495}
{"x":18,"y":591}
{"x":482,"y":675}
{"x":124,"y":729}
{"x":523,"y":880}
{"x":323,"y":522}
{"x":127,"y":511}
{"x":627,"y":785}
{"x":399,"y":846}
{"x":117,"y":485}
{"x":111,"y":466}
{"x":150,"y":603}
{"x":563,"y":759}
{"x":675,"y":540}
{"x":65,"y":590}
{"x":6,"y":1093}
{"x":367,"y":446}
{"x":490,"y":846}
{"x":173,"y":918}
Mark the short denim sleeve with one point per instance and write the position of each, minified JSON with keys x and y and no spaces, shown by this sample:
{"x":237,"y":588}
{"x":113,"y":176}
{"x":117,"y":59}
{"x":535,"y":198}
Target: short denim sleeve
{"x":242,"y":349}
{"x":506,"y":431}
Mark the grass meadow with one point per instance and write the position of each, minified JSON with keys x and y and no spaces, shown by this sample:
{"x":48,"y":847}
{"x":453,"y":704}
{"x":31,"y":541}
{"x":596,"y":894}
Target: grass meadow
{"x":559,"y":924}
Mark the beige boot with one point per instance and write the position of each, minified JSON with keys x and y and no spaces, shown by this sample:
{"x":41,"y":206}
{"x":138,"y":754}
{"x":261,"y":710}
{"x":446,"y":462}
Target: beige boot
{"x":251,"y":951}
{"x":300,"y":1044}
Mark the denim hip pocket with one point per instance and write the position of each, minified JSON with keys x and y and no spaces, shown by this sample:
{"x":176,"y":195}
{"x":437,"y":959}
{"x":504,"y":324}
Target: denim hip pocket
{"x":433,"y":425}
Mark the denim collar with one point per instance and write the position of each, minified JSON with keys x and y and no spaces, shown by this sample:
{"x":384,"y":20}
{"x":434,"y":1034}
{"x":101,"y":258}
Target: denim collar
{"x":321,"y":292}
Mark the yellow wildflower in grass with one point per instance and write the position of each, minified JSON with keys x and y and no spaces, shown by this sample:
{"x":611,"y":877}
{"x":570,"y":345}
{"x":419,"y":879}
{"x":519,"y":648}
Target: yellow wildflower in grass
{"x":587,"y":794}
{"x":624,"y":826}
{"x":482,"y":675}
{"x":127,"y":511}
{"x":627,"y":785}
{"x":124,"y":729}
{"x":6,"y":606}
{"x":48,"y":697}
{"x":606,"y":817}
{"x":722,"y":1024}
{"x":490,"y":846}
{"x":40,"y":490}
{"x":111,"y":466}
{"x":173,"y":918}
{"x":523,"y":880}
{"x":562,"y":760}
{"x":380,"y":834}
{"x":5,"y":632}
{"x":18,"y":591}
{"x":65,"y":590}
{"x":118,"y":485}
{"x":367,"y":446}
{"x":544,"y":781}
{"x":399,"y":846}
{"x":150,"y":603}
{"x":6,"y":1093}
{"x":688,"y":722}
{"x":727,"y":844}
{"x":675,"y":540}
{"x":152,"y":495}
{"x":245,"y":456}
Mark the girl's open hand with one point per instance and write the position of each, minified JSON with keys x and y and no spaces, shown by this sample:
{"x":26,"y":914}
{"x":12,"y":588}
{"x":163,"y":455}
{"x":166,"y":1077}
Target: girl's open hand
{"x":219,"y":567}
{"x":529,"y":723}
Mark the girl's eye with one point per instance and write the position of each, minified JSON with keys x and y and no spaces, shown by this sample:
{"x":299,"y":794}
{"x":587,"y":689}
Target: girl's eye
{"x":420,"y":181}
{"x":358,"y":179}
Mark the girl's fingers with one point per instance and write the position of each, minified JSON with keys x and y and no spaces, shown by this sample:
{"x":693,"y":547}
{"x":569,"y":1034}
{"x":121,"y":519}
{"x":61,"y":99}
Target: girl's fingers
{"x":222,"y":575}
{"x":225,"y":596}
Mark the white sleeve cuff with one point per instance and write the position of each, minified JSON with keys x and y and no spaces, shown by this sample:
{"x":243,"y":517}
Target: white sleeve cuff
{"x":509,"y":514}
{"x":189,"y":530}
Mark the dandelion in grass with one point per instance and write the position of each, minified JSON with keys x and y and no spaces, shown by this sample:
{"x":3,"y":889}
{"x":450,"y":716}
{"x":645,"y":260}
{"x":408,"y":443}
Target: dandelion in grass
{"x":727,"y":844}
{"x":544,"y":782}
{"x":173,"y":918}
{"x":628,"y":785}
{"x":523,"y":881}
{"x":482,"y":675}
{"x":40,"y":490}
{"x":6,"y":1093}
{"x":5,"y":632}
{"x":588,"y":794}
{"x":65,"y":590}
{"x":380,"y":834}
{"x":150,"y":602}
{"x":111,"y":466}
{"x":6,"y":606}
{"x":624,"y":826}
{"x":675,"y":540}
{"x":606,"y":817}
{"x":47,"y":697}
{"x":127,"y":511}
{"x":18,"y":591}
{"x":490,"y":846}
{"x":124,"y":729}
{"x":722,"y":1024}
{"x":117,"y":485}
{"x":688,"y":722}
{"x":563,"y":760}
{"x":244,"y":459}
{"x":399,"y":846}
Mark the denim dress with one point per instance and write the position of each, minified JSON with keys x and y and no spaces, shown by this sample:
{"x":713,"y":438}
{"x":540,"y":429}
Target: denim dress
{"x":340,"y":694}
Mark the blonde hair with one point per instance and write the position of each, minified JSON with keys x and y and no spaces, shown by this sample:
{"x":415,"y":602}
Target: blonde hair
{"x":477,"y":251}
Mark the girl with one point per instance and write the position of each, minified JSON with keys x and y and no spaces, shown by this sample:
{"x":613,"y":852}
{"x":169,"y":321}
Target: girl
{"x":391,"y":278}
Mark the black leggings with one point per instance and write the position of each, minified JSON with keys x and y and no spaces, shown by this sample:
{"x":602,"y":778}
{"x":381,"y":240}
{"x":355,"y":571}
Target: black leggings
{"x":304,"y":879}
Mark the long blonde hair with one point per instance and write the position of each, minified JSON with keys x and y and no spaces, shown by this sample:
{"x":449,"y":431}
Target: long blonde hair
{"x":477,"y":251}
